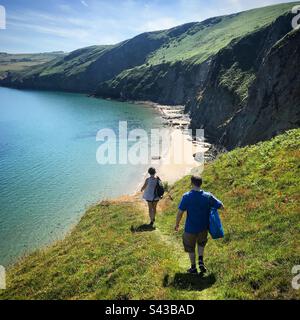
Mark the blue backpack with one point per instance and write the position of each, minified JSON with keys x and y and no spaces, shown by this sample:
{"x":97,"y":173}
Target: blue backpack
{"x":215,"y":225}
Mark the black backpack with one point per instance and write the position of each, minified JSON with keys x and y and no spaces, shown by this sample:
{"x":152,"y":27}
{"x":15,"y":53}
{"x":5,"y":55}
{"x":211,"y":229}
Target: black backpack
{"x":159,"y":189}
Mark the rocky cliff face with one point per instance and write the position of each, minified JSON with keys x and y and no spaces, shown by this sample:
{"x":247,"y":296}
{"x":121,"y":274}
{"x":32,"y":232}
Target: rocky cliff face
{"x":242,"y":83}
{"x":274,"y":98}
{"x":173,"y":84}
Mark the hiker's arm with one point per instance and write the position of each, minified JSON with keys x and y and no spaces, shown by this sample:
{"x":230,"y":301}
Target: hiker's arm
{"x":216,"y":203}
{"x":144,"y":186}
{"x":178,"y":219}
{"x":181,"y":209}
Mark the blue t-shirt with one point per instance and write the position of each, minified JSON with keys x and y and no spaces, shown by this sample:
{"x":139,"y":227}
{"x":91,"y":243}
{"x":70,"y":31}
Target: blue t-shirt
{"x":198,"y":205}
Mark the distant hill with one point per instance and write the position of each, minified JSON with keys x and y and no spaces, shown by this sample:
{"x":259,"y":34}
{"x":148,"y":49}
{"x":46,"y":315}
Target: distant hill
{"x":111,"y":255}
{"x":236,"y":74}
{"x":20,"y":62}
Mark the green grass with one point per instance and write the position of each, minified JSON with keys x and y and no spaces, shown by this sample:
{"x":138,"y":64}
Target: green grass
{"x":259,"y":186}
{"x":21,"y":62}
{"x":103,"y":258}
{"x":76,"y":62}
{"x":109,"y":256}
{"x":202,"y":40}
{"x":238,"y":81}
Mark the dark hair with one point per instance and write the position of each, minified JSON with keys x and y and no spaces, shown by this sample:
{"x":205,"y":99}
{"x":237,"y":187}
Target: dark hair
{"x":152,"y":171}
{"x":196,"y":181}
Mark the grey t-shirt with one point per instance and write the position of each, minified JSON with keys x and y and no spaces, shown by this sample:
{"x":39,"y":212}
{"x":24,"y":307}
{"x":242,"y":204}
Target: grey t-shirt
{"x":150,"y":189}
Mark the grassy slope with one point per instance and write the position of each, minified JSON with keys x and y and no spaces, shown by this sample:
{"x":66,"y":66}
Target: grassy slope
{"x":259,"y":186}
{"x":19,"y":62}
{"x":102,"y":258}
{"x":72,"y":63}
{"x":204,"y":40}
{"x":76,"y":62}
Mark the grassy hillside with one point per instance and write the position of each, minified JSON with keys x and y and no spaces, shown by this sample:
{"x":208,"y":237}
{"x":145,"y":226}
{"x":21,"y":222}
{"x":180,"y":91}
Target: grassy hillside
{"x":205,"y":39}
{"x":73,"y":63}
{"x":110,"y":254}
{"x":19,"y":62}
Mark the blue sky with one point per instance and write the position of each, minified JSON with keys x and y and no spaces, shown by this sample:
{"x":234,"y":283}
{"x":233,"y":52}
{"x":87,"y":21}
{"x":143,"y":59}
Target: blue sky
{"x":51,"y":25}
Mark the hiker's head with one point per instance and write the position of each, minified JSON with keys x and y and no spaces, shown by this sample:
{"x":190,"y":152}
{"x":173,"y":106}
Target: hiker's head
{"x":152,"y":171}
{"x":196,"y":181}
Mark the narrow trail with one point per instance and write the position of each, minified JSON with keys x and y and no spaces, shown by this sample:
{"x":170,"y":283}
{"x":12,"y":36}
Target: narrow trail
{"x":175,"y":246}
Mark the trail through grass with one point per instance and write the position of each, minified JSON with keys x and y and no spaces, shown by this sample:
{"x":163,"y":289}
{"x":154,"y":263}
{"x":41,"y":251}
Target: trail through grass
{"x":111,"y":254}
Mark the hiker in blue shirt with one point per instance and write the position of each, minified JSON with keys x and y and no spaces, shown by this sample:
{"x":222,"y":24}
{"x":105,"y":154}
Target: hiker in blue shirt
{"x":198,"y":204}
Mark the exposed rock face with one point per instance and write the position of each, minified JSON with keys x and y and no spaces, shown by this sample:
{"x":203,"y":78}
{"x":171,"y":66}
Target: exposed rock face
{"x":248,"y":82}
{"x":166,"y":84}
{"x":274,"y":98}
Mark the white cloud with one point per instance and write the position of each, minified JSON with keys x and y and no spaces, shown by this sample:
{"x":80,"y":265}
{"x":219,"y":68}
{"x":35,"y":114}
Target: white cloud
{"x":53,"y":30}
{"x":84,"y":3}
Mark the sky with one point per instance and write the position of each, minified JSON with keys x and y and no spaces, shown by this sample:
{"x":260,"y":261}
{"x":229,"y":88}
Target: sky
{"x":66,"y":25}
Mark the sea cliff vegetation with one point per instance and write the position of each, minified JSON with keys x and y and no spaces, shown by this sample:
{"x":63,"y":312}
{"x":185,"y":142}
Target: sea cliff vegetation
{"x":111,"y":254}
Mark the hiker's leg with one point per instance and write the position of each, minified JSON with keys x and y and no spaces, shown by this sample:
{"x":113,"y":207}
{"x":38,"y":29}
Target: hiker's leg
{"x":154,"y":209}
{"x":150,"y":206}
{"x":192,"y":256}
{"x":202,"y":240}
{"x":189,"y":243}
{"x":200,"y":251}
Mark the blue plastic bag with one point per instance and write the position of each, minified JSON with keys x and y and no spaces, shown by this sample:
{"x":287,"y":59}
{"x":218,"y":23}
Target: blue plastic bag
{"x":215,"y":225}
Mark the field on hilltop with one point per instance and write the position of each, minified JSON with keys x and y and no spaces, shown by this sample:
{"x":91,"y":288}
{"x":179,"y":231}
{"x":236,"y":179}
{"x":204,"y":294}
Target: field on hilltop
{"x":21,"y":62}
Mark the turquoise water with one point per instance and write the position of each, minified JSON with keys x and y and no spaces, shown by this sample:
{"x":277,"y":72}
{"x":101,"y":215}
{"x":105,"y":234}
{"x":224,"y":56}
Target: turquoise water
{"x":48,"y":168}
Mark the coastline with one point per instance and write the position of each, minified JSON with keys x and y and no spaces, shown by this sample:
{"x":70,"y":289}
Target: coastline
{"x":168,"y":172}
{"x":174,"y":119}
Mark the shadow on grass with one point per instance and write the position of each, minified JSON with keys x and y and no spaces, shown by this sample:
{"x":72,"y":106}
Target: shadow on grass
{"x":192,"y":282}
{"x":142,"y":228}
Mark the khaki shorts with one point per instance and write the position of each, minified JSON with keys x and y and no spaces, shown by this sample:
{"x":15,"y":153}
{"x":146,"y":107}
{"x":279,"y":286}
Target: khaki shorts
{"x":191,"y":239}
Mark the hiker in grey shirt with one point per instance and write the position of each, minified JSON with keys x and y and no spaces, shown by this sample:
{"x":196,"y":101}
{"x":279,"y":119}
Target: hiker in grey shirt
{"x":149,"y":194}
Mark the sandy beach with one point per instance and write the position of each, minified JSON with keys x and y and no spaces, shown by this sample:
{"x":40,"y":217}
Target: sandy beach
{"x":184,"y":154}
